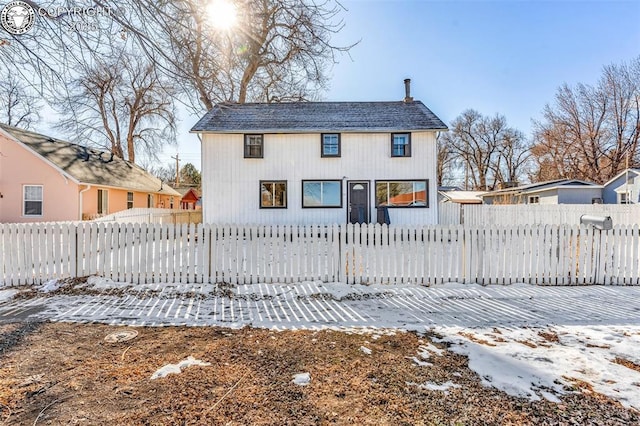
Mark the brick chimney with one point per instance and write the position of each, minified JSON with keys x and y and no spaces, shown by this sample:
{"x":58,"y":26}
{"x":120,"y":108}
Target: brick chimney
{"x":407,"y":90}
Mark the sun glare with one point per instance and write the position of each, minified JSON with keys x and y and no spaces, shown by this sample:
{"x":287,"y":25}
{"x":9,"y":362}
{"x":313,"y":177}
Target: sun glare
{"x":222,"y":14}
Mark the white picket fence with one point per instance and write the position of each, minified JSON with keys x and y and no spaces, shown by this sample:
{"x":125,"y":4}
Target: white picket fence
{"x":154,"y":253}
{"x":153,"y":215}
{"x":534,"y":214}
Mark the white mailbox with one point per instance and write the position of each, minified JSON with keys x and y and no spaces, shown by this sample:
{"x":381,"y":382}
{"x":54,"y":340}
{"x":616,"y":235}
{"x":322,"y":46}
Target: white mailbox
{"x":602,"y":223}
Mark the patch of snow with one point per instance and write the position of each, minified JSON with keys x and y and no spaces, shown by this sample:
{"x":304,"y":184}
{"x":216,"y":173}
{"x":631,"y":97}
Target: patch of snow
{"x":177,"y":368}
{"x":537,"y":362}
{"x":7,"y":294}
{"x":366,"y":350}
{"x":426,"y":349}
{"x":101,"y":283}
{"x":432,"y":386}
{"x":302,"y":379}
{"x":419,"y":362}
{"x":49,"y":286}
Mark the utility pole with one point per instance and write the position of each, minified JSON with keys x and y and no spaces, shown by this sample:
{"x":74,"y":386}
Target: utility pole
{"x":177,"y":158}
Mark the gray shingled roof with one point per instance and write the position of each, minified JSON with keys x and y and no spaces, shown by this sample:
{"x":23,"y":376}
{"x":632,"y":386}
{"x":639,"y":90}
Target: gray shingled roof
{"x":90,"y":166}
{"x":537,"y":186}
{"x":295,"y":117}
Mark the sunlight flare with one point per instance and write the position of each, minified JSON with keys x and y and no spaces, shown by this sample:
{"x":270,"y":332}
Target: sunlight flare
{"x":222,"y":14}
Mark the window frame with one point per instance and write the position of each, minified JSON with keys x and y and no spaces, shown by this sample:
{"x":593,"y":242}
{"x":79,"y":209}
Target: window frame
{"x":24,"y":200}
{"x":426,"y":193}
{"x":407,"y":151}
{"x":322,"y":145}
{"x":247,"y":137}
{"x":286,"y":193}
{"x":104,"y":200}
{"x":130,"y":201}
{"x":321,"y":181}
{"x":623,"y":198}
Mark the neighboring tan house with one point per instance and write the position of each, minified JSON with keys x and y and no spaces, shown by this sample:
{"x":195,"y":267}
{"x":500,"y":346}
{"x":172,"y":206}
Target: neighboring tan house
{"x":319,"y":162}
{"x":624,"y":188}
{"x":561,"y":191}
{"x":44,"y":179}
{"x":190,"y":197}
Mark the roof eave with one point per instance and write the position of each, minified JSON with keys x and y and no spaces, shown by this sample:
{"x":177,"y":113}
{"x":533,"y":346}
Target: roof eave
{"x":64,"y":173}
{"x":316,"y":130}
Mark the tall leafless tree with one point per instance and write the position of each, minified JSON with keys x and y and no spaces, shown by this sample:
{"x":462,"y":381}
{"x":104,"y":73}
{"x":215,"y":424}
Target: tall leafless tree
{"x":490,"y":152}
{"x":122,"y":105}
{"x":279,"y":49}
{"x":590,"y":131}
{"x":19,"y":107}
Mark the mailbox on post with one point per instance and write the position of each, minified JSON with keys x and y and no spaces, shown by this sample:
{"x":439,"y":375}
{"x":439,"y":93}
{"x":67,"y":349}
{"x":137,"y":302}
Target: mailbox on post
{"x":603,"y":223}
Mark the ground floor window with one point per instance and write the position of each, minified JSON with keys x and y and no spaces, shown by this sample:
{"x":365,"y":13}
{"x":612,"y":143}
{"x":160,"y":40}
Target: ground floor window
{"x":129,"y":200}
{"x":32,"y":200}
{"x":273,"y":194}
{"x":322,"y":193}
{"x":534,"y":199}
{"x":103,"y":201}
{"x":402,"y":193}
{"x":149,"y":201}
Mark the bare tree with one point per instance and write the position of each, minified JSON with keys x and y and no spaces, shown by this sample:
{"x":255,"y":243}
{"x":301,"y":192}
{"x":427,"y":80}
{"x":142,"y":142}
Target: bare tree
{"x":590,"y":130}
{"x":489,"y":151}
{"x":279,"y":50}
{"x":19,"y":107}
{"x":446,"y":161}
{"x":122,"y":105}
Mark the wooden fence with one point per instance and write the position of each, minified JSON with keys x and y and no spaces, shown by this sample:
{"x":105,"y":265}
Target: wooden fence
{"x":153,"y":253}
{"x":534,"y":214}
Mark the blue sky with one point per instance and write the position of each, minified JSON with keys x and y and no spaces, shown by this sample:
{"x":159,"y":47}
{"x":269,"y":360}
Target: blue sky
{"x":506,"y":57}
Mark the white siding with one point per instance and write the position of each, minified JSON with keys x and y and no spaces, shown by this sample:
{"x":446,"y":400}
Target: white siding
{"x":231,"y":182}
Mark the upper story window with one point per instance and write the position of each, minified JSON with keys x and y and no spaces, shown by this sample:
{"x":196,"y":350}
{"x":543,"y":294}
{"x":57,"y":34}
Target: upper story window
{"x":330,"y":145}
{"x":401,"y":144}
{"x":253,"y":146}
{"x":32,"y":200}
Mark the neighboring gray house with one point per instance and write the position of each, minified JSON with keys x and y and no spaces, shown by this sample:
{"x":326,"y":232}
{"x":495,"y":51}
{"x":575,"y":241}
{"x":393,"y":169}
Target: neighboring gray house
{"x":624,"y":188}
{"x":319,"y":162}
{"x":561,"y":191}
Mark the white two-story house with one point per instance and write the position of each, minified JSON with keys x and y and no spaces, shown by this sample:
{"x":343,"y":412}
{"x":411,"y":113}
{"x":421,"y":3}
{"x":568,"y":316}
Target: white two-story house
{"x":320,"y":162}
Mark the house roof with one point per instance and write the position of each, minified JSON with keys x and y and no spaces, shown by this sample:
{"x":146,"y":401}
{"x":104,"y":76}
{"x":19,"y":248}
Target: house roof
{"x":622,"y":173}
{"x":89,"y":166}
{"x":296,"y":117}
{"x":463,"y":197}
{"x":542,"y":186}
{"x":184,"y":190}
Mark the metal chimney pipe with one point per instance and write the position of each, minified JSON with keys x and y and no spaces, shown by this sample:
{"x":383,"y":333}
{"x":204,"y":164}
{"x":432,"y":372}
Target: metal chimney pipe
{"x":407,"y":90}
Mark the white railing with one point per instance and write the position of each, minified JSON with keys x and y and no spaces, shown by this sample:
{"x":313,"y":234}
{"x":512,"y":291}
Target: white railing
{"x":145,"y":253}
{"x":153,"y":215}
{"x":534,"y":214}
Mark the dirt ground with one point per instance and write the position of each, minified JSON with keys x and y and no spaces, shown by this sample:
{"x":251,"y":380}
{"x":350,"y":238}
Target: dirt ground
{"x":61,"y":374}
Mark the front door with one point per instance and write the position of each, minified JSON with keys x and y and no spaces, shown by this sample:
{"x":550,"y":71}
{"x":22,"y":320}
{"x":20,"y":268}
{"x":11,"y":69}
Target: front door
{"x":358,"y":211}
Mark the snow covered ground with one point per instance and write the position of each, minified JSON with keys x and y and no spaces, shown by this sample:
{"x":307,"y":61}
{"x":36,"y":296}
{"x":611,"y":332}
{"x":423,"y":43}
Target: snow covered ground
{"x":528,"y":341}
